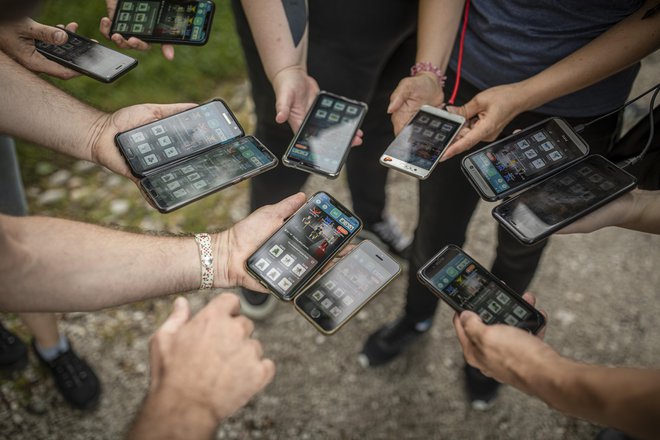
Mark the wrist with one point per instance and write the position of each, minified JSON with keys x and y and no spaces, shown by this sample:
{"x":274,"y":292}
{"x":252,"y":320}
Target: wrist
{"x":100,"y":121}
{"x":222,"y":253}
{"x":430,"y":70}
{"x":287,"y":70}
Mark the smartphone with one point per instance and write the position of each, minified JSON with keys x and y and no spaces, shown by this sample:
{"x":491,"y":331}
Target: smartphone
{"x":168,"y":140}
{"x":464,"y":284}
{"x":334,"y":298}
{"x":522,"y":159}
{"x":291,"y":257}
{"x":420,"y":145}
{"x":324,"y":139}
{"x":165,"y":21}
{"x":87,"y":57}
{"x":563,"y":198}
{"x":206,"y":173}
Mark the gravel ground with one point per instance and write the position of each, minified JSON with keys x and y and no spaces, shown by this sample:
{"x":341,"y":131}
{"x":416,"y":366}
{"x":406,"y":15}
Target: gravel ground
{"x":599,"y":290}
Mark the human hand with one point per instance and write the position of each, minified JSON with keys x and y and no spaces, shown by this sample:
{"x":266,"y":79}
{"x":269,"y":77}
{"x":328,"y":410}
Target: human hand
{"x":133,"y":42}
{"x":295,"y":92}
{"x":486,"y":114}
{"x":102,"y":135}
{"x":235,"y":245}
{"x":208,"y":364}
{"x":409,"y":96}
{"x":17,"y":40}
{"x":500,"y":351}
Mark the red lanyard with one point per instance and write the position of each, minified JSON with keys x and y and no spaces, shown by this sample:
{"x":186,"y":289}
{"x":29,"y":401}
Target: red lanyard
{"x":460,"y":53}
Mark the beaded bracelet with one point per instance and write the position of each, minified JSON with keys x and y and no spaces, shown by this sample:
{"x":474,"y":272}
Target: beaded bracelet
{"x":429,"y":67}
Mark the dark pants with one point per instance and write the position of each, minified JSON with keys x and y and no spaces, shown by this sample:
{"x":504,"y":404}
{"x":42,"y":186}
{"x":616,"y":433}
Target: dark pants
{"x":12,"y":198}
{"x":447,"y":202}
{"x":359,"y":49}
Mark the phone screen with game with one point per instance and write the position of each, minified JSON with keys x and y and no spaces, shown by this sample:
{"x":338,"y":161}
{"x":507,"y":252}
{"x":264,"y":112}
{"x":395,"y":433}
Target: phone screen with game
{"x":207,"y":172}
{"x":324,"y":139}
{"x":306,"y":242}
{"x":174,"y":138}
{"x":420,"y":144}
{"x":465,"y":285}
{"x":563,"y":198}
{"x":517,"y":161}
{"x":340,"y":293}
{"x":88,"y":57}
{"x":173,"y":22}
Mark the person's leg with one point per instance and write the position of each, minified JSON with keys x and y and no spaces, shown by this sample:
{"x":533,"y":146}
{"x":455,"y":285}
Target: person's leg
{"x":74,"y":378}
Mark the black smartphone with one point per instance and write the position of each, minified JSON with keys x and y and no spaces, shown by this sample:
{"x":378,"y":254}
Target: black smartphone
{"x":324,"y":139}
{"x":520,"y":160}
{"x":87,"y":57}
{"x":417,"y":149}
{"x":464,"y":284}
{"x":208,"y":172}
{"x":168,"y":140}
{"x":165,"y":21}
{"x":563,"y":198}
{"x":334,"y":298}
{"x":291,"y":257}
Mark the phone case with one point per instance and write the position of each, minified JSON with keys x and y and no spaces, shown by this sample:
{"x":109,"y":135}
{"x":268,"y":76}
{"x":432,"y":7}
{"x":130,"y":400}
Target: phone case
{"x":530,"y":241}
{"x":302,"y":167}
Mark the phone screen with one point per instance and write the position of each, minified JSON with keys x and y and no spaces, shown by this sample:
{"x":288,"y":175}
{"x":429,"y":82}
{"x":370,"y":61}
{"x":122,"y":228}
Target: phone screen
{"x":526,"y":155}
{"x":207,"y":172}
{"x":169,"y":20}
{"x":467,"y":286}
{"x":576,"y":190}
{"x":88,"y":56}
{"x":423,"y":140}
{"x":173,"y":138}
{"x":349,"y":285}
{"x":326,"y":135}
{"x":303,"y":245}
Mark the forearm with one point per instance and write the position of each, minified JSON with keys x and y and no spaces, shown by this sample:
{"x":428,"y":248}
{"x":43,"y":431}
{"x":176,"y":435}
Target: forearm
{"x":165,"y":416}
{"x":624,"y":44}
{"x":273,"y":36}
{"x":644,"y":212}
{"x":50,"y":264}
{"x":438,"y":23}
{"x":624,"y":398}
{"x":35,"y":110}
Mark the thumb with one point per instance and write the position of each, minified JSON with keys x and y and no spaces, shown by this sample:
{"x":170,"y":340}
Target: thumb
{"x":473,"y":326}
{"x":165,"y":110}
{"x":178,"y":317}
{"x":48,"y":34}
{"x":288,"y":206}
{"x":283,"y":107}
{"x":468,"y":110}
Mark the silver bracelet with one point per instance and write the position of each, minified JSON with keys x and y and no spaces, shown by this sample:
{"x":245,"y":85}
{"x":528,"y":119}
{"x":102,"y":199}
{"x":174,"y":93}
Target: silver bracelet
{"x":204,"y":243}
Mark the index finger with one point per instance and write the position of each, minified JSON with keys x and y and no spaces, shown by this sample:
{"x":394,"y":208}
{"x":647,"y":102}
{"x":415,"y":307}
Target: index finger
{"x":471,"y":138}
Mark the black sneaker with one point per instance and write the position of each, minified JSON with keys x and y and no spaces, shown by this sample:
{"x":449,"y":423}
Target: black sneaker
{"x":13,"y":352}
{"x":388,"y":233}
{"x":481,"y":390}
{"x":255,"y":305}
{"x":74,"y":378}
{"x":391,"y":340}
{"x":612,"y":434}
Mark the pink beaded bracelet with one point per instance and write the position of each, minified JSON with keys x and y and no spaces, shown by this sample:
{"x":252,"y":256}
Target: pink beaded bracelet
{"x":428,"y":67}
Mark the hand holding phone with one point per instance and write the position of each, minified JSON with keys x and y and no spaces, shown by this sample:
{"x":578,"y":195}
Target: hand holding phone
{"x":291,"y":257}
{"x":166,"y":21}
{"x":419,"y":146}
{"x":88,"y":57}
{"x":563,"y":198}
{"x":324,"y":139}
{"x":464,"y":284}
{"x":334,"y":298}
{"x":522,"y":159}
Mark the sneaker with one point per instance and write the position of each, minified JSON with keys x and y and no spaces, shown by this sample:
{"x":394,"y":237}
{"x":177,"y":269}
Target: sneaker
{"x":74,"y":378}
{"x":391,"y":340}
{"x":388,"y":233}
{"x":257,"y":306}
{"x":612,"y":434}
{"x":481,"y":390}
{"x":13,"y":352}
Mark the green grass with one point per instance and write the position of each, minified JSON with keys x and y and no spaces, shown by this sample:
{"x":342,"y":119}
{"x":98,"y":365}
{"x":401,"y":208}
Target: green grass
{"x":195,"y":74}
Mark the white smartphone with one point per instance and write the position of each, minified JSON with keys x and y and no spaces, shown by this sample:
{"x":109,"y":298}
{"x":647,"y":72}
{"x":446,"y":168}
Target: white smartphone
{"x":420,"y":145}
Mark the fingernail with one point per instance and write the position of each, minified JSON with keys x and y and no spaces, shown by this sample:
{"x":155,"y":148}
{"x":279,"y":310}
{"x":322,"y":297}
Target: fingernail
{"x":179,"y":302}
{"x":60,"y":37}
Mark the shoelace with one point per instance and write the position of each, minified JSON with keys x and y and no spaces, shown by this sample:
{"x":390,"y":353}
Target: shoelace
{"x":69,"y":369}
